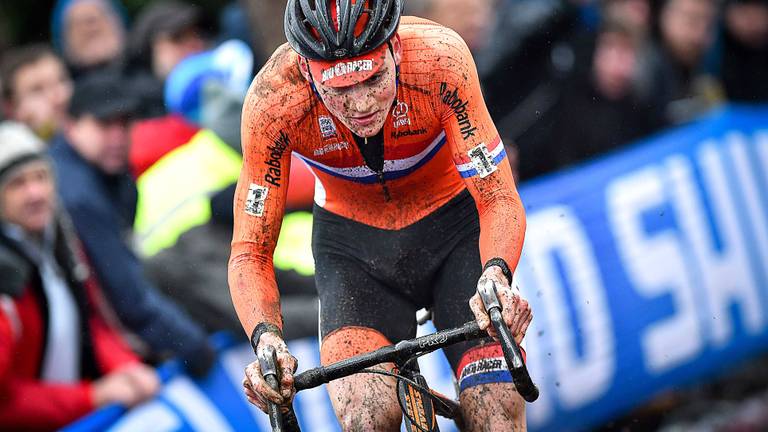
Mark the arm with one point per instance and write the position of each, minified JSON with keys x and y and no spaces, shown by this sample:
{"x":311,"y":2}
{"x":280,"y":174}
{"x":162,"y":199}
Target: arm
{"x":258,"y":211}
{"x":479,"y":155}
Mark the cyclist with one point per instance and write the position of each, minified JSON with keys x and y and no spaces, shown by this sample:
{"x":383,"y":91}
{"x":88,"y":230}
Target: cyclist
{"x":414,"y":203}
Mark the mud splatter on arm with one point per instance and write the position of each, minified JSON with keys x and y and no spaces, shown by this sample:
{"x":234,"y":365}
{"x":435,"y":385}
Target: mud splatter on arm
{"x":478,"y":152}
{"x":258,"y":210}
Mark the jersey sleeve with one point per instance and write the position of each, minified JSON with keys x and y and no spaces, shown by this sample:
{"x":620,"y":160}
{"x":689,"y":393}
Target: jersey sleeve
{"x":258,"y":211}
{"x":478,"y":152}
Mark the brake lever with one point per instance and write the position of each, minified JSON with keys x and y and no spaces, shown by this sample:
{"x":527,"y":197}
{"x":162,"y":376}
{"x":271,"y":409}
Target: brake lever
{"x":509,"y":347}
{"x":269,"y":370}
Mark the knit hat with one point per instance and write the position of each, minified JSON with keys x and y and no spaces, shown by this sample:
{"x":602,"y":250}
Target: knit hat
{"x":229,"y":66}
{"x":18,"y":145}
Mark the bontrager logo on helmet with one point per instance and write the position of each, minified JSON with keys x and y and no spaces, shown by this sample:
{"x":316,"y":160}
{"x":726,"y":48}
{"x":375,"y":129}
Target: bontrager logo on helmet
{"x":343,"y":68}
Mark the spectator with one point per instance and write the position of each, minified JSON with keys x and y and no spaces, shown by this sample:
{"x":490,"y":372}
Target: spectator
{"x":90,"y":34}
{"x":744,"y":66}
{"x":184,"y":220}
{"x":91,"y":157}
{"x":36,"y":89}
{"x":635,"y":14}
{"x":59,"y":359}
{"x":685,"y":33}
{"x":598,"y":110}
{"x":164,"y":33}
{"x":472,"y":20}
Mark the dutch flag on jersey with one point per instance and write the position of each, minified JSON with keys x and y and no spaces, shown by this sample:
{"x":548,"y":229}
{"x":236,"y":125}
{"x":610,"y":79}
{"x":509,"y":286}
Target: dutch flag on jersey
{"x":482,"y":159}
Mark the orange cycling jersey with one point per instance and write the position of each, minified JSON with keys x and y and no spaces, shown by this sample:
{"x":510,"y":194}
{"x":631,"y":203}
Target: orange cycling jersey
{"x":438,"y":140}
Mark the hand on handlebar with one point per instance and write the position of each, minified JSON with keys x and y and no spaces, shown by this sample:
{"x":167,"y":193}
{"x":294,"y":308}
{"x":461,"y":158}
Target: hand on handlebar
{"x":256,"y":388}
{"x":516,"y":311}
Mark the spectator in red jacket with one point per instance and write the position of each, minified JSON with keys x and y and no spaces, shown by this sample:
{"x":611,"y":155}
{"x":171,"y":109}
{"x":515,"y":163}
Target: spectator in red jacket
{"x":59,"y":360}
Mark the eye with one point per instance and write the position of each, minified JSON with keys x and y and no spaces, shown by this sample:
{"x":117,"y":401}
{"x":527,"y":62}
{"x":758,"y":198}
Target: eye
{"x":376,"y":78}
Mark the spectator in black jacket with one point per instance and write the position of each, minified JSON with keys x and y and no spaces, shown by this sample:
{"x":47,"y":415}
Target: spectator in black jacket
{"x":744,"y":63}
{"x":598,"y":109}
{"x":686,"y":30}
{"x":164,"y":34}
{"x":91,"y":158}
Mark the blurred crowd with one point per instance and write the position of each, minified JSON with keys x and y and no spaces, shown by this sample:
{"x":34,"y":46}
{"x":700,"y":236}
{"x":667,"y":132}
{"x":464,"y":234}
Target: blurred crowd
{"x":120,"y":150}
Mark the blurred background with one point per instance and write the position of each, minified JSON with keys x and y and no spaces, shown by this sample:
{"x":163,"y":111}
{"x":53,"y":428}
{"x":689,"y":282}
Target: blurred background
{"x":580,"y":90}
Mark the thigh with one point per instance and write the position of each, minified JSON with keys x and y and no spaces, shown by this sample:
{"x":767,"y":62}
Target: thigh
{"x":455,"y":285}
{"x":351,"y":297}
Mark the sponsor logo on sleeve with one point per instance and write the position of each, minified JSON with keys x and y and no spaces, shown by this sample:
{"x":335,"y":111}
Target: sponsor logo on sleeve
{"x":482,"y":160}
{"x":254,"y":201}
{"x":400,"y":115}
{"x":327,"y":127}
{"x":459,"y":107}
{"x":274,"y":172}
{"x":344,"y":68}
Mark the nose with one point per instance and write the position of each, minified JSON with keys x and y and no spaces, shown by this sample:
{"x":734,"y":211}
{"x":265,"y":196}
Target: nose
{"x":37,"y":189}
{"x":361,"y":99}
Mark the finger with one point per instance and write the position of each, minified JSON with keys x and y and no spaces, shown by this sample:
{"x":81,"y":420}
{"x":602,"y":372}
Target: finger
{"x":259,"y":385}
{"x":477,"y":308}
{"x":249,"y":393}
{"x":524,"y":329}
{"x":286,"y":383}
{"x":521,"y":314}
{"x":509,"y":305}
{"x":526,"y":316}
{"x":258,"y":402}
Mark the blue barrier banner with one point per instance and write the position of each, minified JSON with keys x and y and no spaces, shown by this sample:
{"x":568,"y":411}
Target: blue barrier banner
{"x":647,"y":270}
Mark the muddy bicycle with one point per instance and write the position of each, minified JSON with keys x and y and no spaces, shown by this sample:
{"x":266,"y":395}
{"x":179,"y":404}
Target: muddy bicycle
{"x":418,"y":402}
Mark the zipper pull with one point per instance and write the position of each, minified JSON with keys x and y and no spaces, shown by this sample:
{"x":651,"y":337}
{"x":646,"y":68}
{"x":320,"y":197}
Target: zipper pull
{"x":380,"y":174}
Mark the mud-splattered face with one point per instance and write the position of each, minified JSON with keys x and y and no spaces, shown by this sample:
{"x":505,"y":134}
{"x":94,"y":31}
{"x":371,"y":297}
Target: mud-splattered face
{"x":363,"y":107}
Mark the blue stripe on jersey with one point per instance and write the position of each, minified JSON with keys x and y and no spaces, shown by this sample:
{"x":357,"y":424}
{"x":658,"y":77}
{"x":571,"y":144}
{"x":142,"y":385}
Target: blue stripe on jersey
{"x":496,"y":161}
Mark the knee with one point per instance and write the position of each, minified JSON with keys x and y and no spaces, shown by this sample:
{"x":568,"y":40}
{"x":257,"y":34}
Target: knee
{"x":497,"y":404}
{"x":371,"y":416}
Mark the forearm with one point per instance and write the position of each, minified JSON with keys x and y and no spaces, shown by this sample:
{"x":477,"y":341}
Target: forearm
{"x":253,"y":289}
{"x":502,"y":228}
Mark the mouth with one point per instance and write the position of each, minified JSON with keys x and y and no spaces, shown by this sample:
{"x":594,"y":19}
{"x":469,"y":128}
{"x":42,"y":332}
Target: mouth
{"x":365,"y":120}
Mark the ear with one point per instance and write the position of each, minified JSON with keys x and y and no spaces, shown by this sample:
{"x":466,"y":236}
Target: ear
{"x":304,"y":68}
{"x":397,"y":49}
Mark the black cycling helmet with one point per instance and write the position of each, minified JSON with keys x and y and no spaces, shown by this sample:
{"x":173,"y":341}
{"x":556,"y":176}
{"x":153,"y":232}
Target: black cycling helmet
{"x":336,"y":29}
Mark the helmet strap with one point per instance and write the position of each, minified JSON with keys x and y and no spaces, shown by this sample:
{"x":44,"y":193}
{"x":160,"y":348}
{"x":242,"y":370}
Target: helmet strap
{"x":397,"y":71}
{"x":312,"y":81}
{"x":397,"y":66}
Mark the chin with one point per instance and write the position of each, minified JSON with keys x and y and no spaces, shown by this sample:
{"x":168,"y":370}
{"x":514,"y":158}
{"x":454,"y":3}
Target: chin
{"x":37,"y":224}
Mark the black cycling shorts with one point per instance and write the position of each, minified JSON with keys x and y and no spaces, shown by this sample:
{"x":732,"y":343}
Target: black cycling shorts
{"x":378,"y":278}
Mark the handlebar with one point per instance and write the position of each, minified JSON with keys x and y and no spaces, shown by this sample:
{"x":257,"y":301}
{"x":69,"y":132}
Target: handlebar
{"x":509,"y":347}
{"x":280,"y":421}
{"x":398,"y":354}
